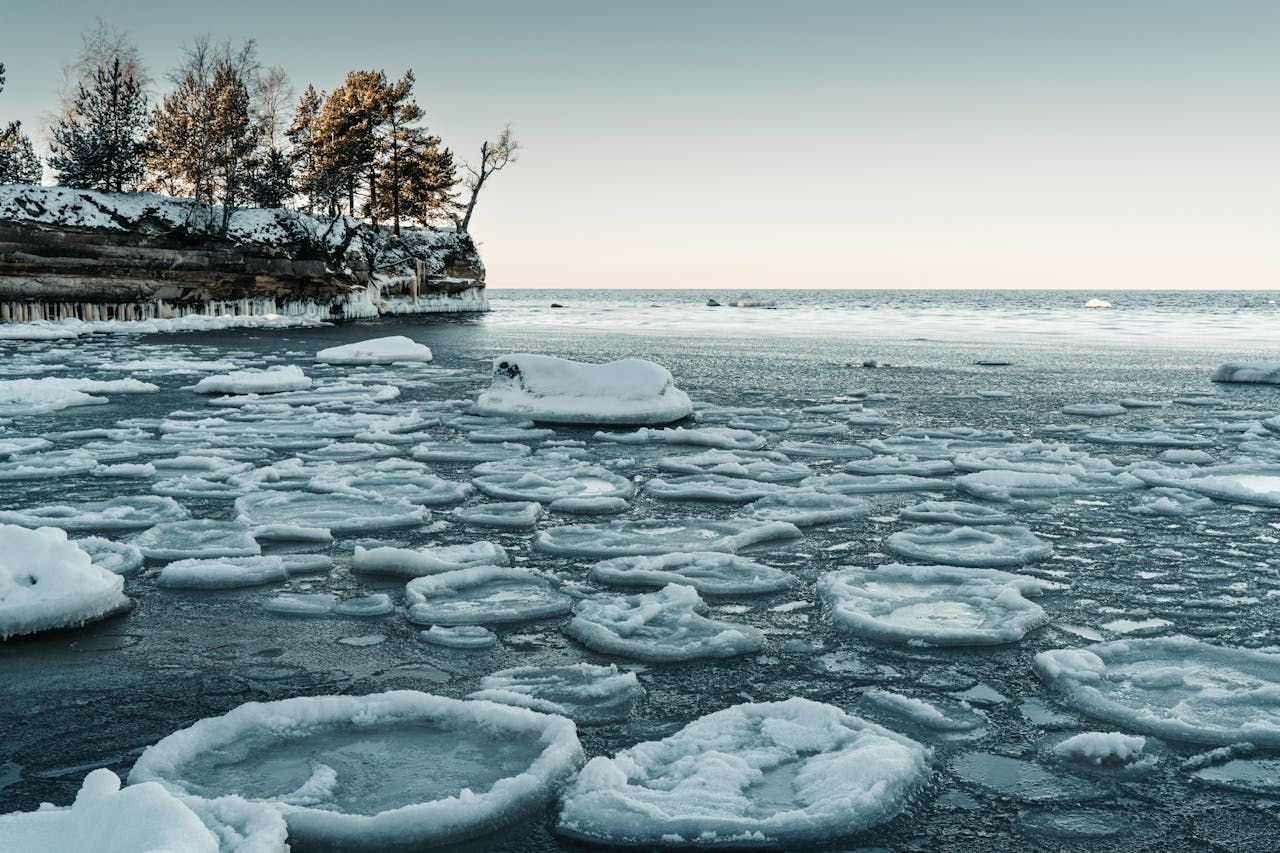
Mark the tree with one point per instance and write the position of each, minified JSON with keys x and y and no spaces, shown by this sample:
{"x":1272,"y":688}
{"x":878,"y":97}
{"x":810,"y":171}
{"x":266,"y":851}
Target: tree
{"x":99,"y":143}
{"x":305,"y":157}
{"x":18,"y":161}
{"x":493,"y":158}
{"x":424,"y":182}
{"x":99,"y":48}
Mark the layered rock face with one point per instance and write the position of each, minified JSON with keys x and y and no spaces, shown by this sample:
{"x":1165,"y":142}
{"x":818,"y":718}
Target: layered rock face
{"x":96,"y":256}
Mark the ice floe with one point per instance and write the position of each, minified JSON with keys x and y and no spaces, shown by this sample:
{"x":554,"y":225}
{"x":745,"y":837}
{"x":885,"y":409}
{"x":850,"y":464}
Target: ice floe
{"x":483,"y":595}
{"x":709,"y":572}
{"x":851,"y":484}
{"x":312,"y":517}
{"x":388,"y":350}
{"x":666,"y":625}
{"x":412,"y":563}
{"x":990,"y":546}
{"x":48,"y":582}
{"x":767,"y":466}
{"x":935,"y":605}
{"x":1099,"y":748}
{"x":1246,"y":483}
{"x":789,"y":774}
{"x":722,"y":438}
{"x":710,"y":487}
{"x":817,"y":450}
{"x":541,"y":479}
{"x":196,"y":539}
{"x":222,"y":572}
{"x":460,"y":636}
{"x":955,"y":512}
{"x":661,"y":536}
{"x":54,"y":393}
{"x":584,"y":692}
{"x":126,"y":513}
{"x":506,"y":514}
{"x":121,"y":558}
{"x":271,"y":381}
{"x":807,"y":507}
{"x":1258,"y":372}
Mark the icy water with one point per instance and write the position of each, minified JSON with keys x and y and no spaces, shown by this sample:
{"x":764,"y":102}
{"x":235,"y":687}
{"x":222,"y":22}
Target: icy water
{"x":96,"y":697}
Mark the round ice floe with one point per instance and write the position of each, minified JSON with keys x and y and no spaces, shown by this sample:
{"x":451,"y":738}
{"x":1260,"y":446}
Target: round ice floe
{"x":272,"y":381}
{"x":555,"y":390}
{"x":661,"y":536}
{"x":807,"y":507}
{"x":466,"y":453}
{"x":347,"y":771}
{"x":482,"y":595}
{"x":413,"y":563}
{"x":546,"y":480}
{"x":301,"y":604}
{"x":1172,"y":687}
{"x":388,"y":480}
{"x":938,"y":605}
{"x":710,"y":487}
{"x":179,"y":540}
{"x":388,"y":350}
{"x":955,"y":512}
{"x":48,"y":582}
{"x":586,"y":693}
{"x":509,"y":514}
{"x":119,"y":558}
{"x":1171,"y":502}
{"x":901,"y":465}
{"x":659,"y":626}
{"x":376,"y":604}
{"x":1247,"y":483}
{"x":717,"y":437}
{"x":708,"y":572}
{"x":348,"y":451}
{"x":764,"y":465}
{"x":460,"y":636}
{"x":222,"y":573}
{"x":849,"y":484}
{"x":1099,"y":748}
{"x":127,"y":513}
{"x":991,"y":546}
{"x":590,"y":506}
{"x":1147,"y":438}
{"x":779,"y":774}
{"x":47,"y":466}
{"x":301,"y":516}
{"x":1094,"y":410}
{"x":815,"y":450}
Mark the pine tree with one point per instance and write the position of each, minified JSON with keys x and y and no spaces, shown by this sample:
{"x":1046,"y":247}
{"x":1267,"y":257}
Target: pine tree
{"x":421,"y":189}
{"x":271,"y":178}
{"x":310,"y":179}
{"x":18,"y":161}
{"x":100,"y":144}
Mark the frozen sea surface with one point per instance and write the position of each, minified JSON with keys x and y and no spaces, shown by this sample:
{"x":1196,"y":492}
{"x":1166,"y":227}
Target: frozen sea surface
{"x":99,"y":695}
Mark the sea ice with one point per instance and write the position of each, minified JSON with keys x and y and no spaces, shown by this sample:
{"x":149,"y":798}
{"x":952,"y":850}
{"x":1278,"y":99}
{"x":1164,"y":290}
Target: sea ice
{"x":850,"y":484}
{"x":1247,"y":483}
{"x":766,"y":466}
{"x":555,"y":390}
{"x":1259,"y":372}
{"x":937,"y":605}
{"x":541,"y":479}
{"x":412,"y":563}
{"x":722,"y":438}
{"x":991,"y":546}
{"x":816,"y":450}
{"x":272,"y":381}
{"x":585,"y":693}
{"x":659,"y":626}
{"x":460,"y":636}
{"x":710,"y":487}
{"x":1099,"y":748}
{"x":955,"y":512}
{"x":660,"y":536}
{"x":466,"y":453}
{"x":394,"y":478}
{"x":222,"y":573}
{"x":301,"y":604}
{"x":482,"y":595}
{"x":901,"y":465}
{"x":514,"y":515}
{"x":48,"y":582}
{"x":302,"y":516}
{"x":119,"y":558}
{"x":1094,"y":410}
{"x":376,"y":604}
{"x":126,"y":513}
{"x":951,"y":716}
{"x":791,"y":774}
{"x":807,"y":507}
{"x":709,"y":572}
{"x":388,"y":350}
{"x":196,"y":539}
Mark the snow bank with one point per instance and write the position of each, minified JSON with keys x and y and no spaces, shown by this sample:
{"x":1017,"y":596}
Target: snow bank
{"x":273,"y":381}
{"x":1259,"y":372}
{"x":347,"y":772}
{"x":48,"y":582}
{"x":388,"y":350}
{"x":555,"y":390}
{"x":792,"y":774}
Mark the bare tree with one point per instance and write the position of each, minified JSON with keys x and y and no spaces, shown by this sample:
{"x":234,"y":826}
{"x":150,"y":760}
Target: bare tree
{"x":494,"y":157}
{"x":100,"y":48}
{"x":273,"y":97}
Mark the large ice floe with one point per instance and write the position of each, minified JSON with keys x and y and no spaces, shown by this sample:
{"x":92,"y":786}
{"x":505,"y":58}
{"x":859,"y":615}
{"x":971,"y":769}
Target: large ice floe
{"x":127,"y":513}
{"x":312,"y":517}
{"x":482,"y":595}
{"x":786,"y":774}
{"x":709,"y":572}
{"x":1179,"y":688}
{"x":1259,"y":372}
{"x":555,"y":390}
{"x":48,"y":582}
{"x":934,"y":605}
{"x":54,"y":393}
{"x":388,"y":350}
{"x":271,"y":381}
{"x":347,"y":772}
{"x":1247,"y":483}
{"x":666,"y":625}
{"x":584,"y":692}
{"x":661,"y":536}
{"x":992,"y":546}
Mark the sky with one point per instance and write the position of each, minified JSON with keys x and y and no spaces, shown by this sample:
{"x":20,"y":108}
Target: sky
{"x":976,"y":144}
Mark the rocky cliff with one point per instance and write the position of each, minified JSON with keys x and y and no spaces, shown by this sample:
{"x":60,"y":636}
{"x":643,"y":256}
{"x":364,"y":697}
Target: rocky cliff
{"x":92,"y":256}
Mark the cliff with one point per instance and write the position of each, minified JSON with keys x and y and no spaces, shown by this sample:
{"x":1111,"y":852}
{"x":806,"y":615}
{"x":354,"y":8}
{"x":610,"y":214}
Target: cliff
{"x":92,"y":256}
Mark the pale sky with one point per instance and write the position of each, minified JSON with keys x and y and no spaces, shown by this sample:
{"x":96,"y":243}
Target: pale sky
{"x":1098,"y":145}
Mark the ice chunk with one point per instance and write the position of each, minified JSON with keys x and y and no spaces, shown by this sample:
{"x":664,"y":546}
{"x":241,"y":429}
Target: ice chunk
{"x":119,"y":558}
{"x":482,"y":595}
{"x":901,"y":465}
{"x":542,"y":479}
{"x":1101,"y":748}
{"x":510,"y":514}
{"x":377,"y":604}
{"x":587,"y":694}
{"x":272,"y":381}
{"x":807,"y":507}
{"x":300,"y":603}
{"x":1258,"y":372}
{"x":1021,"y":781}
{"x":347,"y":771}
{"x":1171,"y":502}
{"x":47,"y":466}
{"x":106,"y":819}
{"x":388,"y":350}
{"x":824,"y":451}
{"x":717,"y":437}
{"x":222,"y":573}
{"x":708,"y":572}
{"x":659,"y":626}
{"x":54,"y":393}
{"x":710,"y":487}
{"x":590,"y":506}
{"x":1247,"y":483}
{"x":460,"y":636}
{"x":793,"y":774}
{"x":992,"y":546}
{"x":849,"y":484}
{"x":938,"y":605}
{"x":955,"y":512}
{"x":1172,"y":687}
{"x":178,"y":540}
{"x":466,"y":453}
{"x":301,"y":516}
{"x":937,"y":714}
{"x":661,"y":536}
{"x":412,"y":563}
{"x":127,"y":513}
{"x":1094,"y":410}
{"x":555,"y":390}
{"x":48,"y":583}
{"x":764,"y":465}
{"x":393,"y":478}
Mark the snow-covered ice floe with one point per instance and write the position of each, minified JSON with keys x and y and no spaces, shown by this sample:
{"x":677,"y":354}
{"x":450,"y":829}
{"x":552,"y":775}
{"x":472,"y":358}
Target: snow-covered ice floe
{"x":710,"y":487}
{"x":722,"y":438}
{"x":54,"y":393}
{"x":709,"y":572}
{"x":659,"y":626}
{"x":388,"y":350}
{"x":222,"y":572}
{"x":586,"y":693}
{"x":807,"y":507}
{"x":1098,"y":748}
{"x":48,"y":582}
{"x":1246,"y":483}
{"x":538,"y":478}
{"x":271,"y":381}
{"x":310,"y":517}
{"x":347,"y":772}
{"x":513,"y":515}
{"x":991,"y":546}
{"x":1259,"y":372}
{"x":1179,"y":688}
{"x":776,"y":775}
{"x":661,"y":536}
{"x":555,"y":390}
{"x":766,"y":466}
{"x":483,"y":595}
{"x":460,"y":636}
{"x":416,"y":562}
{"x":121,"y":558}
{"x":955,"y":512}
{"x":936,"y":605}
{"x":198,"y":538}
{"x":126,"y":513}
